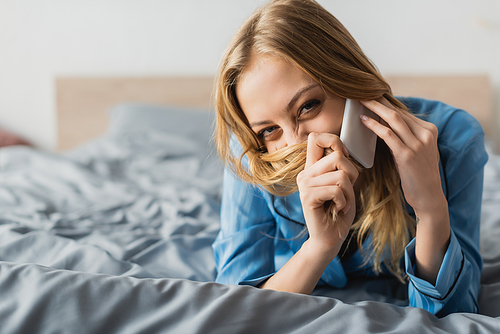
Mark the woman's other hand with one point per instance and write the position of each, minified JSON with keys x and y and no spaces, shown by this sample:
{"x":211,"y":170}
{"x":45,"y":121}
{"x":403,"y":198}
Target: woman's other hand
{"x":413,"y":143}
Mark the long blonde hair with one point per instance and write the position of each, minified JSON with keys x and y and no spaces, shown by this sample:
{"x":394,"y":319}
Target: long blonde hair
{"x":309,"y":37}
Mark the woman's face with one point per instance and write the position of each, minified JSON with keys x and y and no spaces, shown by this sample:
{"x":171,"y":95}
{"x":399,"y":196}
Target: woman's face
{"x":283,"y":104}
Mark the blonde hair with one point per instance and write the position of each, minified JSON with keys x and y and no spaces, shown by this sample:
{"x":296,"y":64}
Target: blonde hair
{"x":309,"y":37}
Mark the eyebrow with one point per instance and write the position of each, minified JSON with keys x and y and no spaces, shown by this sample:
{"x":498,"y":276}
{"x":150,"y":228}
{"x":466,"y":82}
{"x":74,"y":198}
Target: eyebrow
{"x":293,"y":100}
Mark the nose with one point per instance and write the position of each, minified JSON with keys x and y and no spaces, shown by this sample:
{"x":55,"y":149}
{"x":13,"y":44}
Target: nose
{"x":291,"y":137}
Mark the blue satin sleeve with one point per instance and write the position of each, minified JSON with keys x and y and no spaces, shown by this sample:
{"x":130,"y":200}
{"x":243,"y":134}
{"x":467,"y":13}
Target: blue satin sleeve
{"x":463,"y":157}
{"x":244,"y":247}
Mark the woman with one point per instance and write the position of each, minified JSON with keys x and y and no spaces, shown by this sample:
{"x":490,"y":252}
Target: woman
{"x":280,"y":94}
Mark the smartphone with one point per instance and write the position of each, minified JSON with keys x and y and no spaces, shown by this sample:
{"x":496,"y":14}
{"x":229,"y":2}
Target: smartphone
{"x":357,"y":138}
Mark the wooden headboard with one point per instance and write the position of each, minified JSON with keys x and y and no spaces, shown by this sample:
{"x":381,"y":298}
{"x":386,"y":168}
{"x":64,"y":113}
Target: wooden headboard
{"x":82,"y":102}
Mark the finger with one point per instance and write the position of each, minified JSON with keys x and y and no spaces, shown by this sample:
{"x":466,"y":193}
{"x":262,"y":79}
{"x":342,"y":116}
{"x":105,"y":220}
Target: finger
{"x":316,"y":144}
{"x":320,"y":195}
{"x":334,"y":181}
{"x":422,"y":130}
{"x":335,"y":161}
{"x":394,"y":120}
{"x":391,"y":139}
{"x":343,"y":202}
{"x":406,"y":115}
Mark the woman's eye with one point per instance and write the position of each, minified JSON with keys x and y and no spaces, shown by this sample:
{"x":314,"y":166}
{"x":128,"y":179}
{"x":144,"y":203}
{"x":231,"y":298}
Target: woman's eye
{"x":267,"y":133}
{"x":309,"y":106}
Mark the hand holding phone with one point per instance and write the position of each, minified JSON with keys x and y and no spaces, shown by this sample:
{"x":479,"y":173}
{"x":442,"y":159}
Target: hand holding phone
{"x":357,"y":138}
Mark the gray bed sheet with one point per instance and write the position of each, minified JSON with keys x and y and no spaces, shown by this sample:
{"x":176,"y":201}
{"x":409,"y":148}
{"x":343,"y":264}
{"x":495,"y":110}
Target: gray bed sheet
{"x":115,"y":236}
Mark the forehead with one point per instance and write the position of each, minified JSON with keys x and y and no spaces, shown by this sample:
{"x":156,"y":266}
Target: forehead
{"x":273,"y":69}
{"x":268,"y":84}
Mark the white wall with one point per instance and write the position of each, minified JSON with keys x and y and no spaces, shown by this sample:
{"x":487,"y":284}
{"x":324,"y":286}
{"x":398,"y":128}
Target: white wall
{"x":43,"y":39}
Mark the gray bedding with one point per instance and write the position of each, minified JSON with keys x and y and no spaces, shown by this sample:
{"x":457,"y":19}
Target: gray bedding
{"x":114,"y":237}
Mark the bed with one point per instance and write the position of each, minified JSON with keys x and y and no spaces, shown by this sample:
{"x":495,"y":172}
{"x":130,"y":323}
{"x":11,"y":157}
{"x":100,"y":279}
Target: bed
{"x":113,"y":233}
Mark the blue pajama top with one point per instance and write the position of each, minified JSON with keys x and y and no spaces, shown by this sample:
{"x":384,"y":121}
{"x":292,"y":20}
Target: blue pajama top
{"x":260,"y":232}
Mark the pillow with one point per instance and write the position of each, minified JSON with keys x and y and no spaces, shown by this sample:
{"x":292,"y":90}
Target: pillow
{"x":195,"y":124}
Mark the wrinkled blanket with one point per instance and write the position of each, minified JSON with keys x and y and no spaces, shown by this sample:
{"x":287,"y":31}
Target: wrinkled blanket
{"x":115,"y":236}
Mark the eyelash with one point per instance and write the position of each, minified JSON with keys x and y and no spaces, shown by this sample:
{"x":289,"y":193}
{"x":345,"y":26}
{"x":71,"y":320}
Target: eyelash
{"x":311,"y":104}
{"x":262,"y":135}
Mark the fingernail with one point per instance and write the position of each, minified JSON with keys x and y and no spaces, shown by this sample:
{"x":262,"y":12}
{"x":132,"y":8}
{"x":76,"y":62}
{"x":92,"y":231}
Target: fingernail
{"x":364,"y":117}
